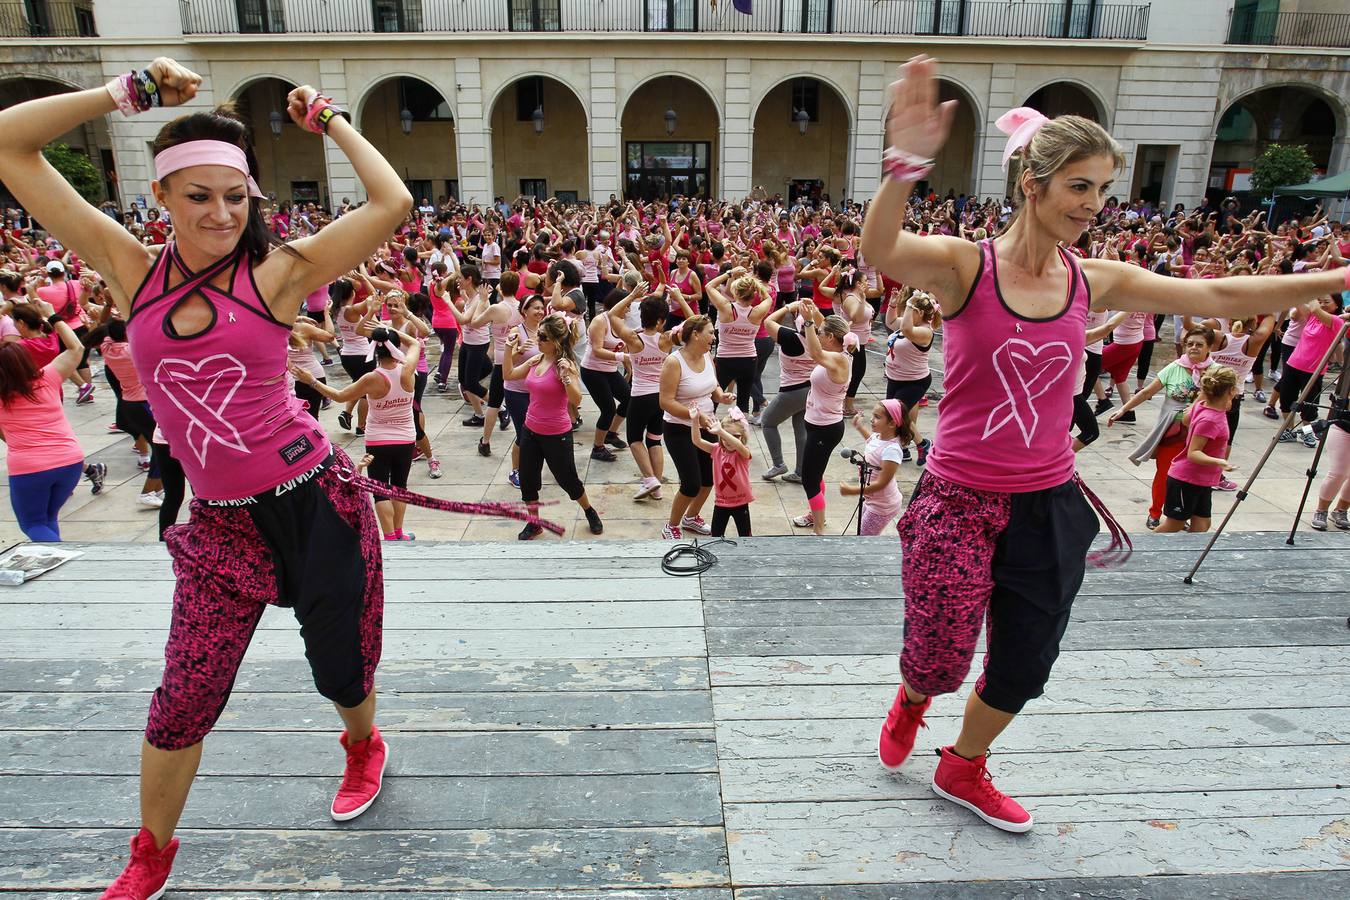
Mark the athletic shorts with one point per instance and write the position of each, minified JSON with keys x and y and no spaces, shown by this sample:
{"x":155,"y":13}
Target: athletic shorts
{"x":1185,"y":501}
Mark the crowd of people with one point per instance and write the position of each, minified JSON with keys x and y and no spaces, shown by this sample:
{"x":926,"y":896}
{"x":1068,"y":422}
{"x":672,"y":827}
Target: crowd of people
{"x":221,"y":320}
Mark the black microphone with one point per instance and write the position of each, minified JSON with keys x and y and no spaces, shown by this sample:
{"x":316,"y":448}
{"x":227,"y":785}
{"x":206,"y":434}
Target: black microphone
{"x":855,"y":457}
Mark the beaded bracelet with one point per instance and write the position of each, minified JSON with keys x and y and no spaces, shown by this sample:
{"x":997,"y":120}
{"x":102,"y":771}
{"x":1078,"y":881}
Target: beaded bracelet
{"x":904,"y":166}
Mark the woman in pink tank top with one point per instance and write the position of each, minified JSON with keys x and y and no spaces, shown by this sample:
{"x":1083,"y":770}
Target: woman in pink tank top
{"x":999,"y":507}
{"x":830,"y":344}
{"x":208,"y":317}
{"x":915,"y":322}
{"x":739,"y":317}
{"x":501,"y":318}
{"x":606,"y":384}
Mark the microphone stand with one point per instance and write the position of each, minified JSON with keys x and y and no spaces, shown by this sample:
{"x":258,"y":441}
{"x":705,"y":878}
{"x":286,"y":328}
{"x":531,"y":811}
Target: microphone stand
{"x":864,"y":468}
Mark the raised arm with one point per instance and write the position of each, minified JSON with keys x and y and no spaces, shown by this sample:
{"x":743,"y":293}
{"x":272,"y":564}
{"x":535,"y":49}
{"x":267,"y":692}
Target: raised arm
{"x":1123,"y":286}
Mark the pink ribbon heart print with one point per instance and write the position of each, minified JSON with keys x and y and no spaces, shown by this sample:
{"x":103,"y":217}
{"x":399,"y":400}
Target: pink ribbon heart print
{"x":202,"y":391}
{"x":1026,"y":372}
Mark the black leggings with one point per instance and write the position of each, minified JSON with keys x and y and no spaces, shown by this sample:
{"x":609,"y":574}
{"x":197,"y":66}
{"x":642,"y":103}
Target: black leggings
{"x":174,"y":482}
{"x":554,"y":449}
{"x":592,"y":292}
{"x":1292,"y":382}
{"x":738,"y":514}
{"x":1083,"y":418}
{"x":858,"y":371}
{"x":1234,"y":416}
{"x":474,"y":363}
{"x":517,"y":406}
{"x":645,"y":421}
{"x":609,"y":390}
{"x":1145,"y":360}
{"x":419,"y":419}
{"x":694,"y":465}
{"x":311,"y":396}
{"x":820,"y":443}
{"x":763,"y":351}
{"x":740,"y":369}
{"x":448,"y":338}
{"x":391,"y":464}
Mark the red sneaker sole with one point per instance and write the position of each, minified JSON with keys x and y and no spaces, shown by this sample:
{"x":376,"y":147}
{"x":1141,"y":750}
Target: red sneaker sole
{"x":1003,"y":824}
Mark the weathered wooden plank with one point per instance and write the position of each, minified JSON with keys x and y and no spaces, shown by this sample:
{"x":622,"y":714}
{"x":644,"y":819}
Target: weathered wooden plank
{"x":400,"y":676}
{"x":1089,"y":849}
{"x":398,"y":613}
{"x":616,"y":894}
{"x":1072,"y":665}
{"x":424,"y":588}
{"x":1183,"y":771}
{"x":284,"y":753}
{"x":885,"y":611}
{"x":1034,"y":732}
{"x":1173,"y":886}
{"x":1147,"y":634}
{"x":407,"y":803}
{"x":448,"y":571}
{"x":481,"y":711}
{"x":353,"y":859}
{"x":572,"y":643}
{"x":1062,"y":695}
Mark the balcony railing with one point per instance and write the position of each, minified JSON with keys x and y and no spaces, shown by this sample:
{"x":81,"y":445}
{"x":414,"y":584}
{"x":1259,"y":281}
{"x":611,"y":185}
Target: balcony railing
{"x":1292,"y":29}
{"x":47,"y":19}
{"x":1065,"y":19}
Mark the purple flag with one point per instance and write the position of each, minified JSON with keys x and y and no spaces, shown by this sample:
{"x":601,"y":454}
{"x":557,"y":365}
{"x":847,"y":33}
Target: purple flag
{"x":742,"y":6}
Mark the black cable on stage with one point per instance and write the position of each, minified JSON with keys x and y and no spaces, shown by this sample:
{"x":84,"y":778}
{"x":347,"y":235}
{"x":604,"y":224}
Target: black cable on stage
{"x":703,"y":558}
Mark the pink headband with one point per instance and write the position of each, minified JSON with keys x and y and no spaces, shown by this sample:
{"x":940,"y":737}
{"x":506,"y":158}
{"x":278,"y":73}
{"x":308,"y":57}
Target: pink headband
{"x":204,"y":153}
{"x":896,"y":410}
{"x":1021,"y":125}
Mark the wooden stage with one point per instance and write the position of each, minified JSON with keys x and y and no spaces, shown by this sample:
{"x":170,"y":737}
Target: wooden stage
{"x":566,"y":721}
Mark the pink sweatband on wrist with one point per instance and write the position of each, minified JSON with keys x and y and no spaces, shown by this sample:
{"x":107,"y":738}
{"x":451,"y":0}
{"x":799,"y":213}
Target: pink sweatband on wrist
{"x":121,"y":91}
{"x":904,"y":166}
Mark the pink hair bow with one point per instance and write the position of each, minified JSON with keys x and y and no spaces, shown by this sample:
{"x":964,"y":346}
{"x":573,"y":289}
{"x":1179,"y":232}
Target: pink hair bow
{"x":1021,"y":125}
{"x":736,"y":415}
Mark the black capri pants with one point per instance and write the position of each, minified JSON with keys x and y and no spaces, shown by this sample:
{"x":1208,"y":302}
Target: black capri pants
{"x":740,"y":369}
{"x":1292,"y":382}
{"x":356,"y":366}
{"x":610,"y":392}
{"x":496,"y":388}
{"x":391,"y":464}
{"x":556,"y":451}
{"x":517,"y":406}
{"x":310,"y":394}
{"x":645,"y":421}
{"x":859,"y":369}
{"x":909,"y":393}
{"x":1083,"y":417}
{"x":820,"y":443}
{"x":474,"y":364}
{"x":694,"y":465}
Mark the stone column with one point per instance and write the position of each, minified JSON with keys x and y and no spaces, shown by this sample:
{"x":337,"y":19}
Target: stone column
{"x":603,"y":138}
{"x":737,"y":132}
{"x":341,"y":177}
{"x":992,"y":180}
{"x":473,"y":133}
{"x":869,"y":132}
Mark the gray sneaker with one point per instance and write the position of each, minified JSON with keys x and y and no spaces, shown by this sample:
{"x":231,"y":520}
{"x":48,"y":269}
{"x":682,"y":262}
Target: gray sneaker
{"x":1340,"y":519}
{"x":1319,"y":520}
{"x":793,"y":477}
{"x":774,"y":472}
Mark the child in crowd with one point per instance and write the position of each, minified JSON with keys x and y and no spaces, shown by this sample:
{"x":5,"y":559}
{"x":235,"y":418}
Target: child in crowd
{"x":731,"y":473}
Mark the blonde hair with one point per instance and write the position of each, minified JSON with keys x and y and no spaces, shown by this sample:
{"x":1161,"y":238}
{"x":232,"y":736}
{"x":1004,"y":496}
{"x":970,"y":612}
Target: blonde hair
{"x":746,"y":287}
{"x":837,"y":327}
{"x":1062,"y":141}
{"x":927,"y":306}
{"x":556,"y":328}
{"x":1217,"y":381}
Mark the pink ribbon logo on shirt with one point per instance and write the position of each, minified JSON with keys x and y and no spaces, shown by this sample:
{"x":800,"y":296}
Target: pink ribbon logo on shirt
{"x":202,"y":391}
{"x":1027,"y":372}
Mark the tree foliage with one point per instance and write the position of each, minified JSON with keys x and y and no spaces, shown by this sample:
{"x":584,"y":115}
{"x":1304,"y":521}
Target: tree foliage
{"x":1279,"y":165}
{"x":76,"y":168}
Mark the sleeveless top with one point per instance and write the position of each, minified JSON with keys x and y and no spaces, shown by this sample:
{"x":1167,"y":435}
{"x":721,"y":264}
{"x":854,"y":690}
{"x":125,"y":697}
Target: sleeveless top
{"x":736,"y":336}
{"x":590,"y":361}
{"x":684,"y":284}
{"x":353,"y":344}
{"x":794,"y":371}
{"x":302,"y":357}
{"x":1010,"y":383}
{"x":906,"y":360}
{"x":391,"y":417}
{"x":477,"y":337}
{"x":863,"y":330}
{"x":1234,"y":356}
{"x":529,"y":349}
{"x":221,"y":395}
{"x":500,"y":331}
{"x":1130,"y":331}
{"x":825,"y":400}
{"x":547,"y":413}
{"x":695,"y":388}
{"x":1097,"y":320}
{"x":647,"y":365}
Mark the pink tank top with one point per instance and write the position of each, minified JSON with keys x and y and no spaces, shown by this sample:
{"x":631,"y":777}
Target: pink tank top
{"x":528,"y":350}
{"x":736,"y":336}
{"x":221,"y":395}
{"x":905,"y":361}
{"x":794,"y":370}
{"x":391,"y":416}
{"x":500,"y":331}
{"x":647,"y":365}
{"x":548,"y":412}
{"x":863,"y":330}
{"x":787,"y":278}
{"x":1009,"y":382}
{"x":695,"y":388}
{"x":476,"y":337}
{"x":1131,"y":331}
{"x":353,"y":344}
{"x":1234,"y":356}
{"x":609,"y":342}
{"x":825,"y":400}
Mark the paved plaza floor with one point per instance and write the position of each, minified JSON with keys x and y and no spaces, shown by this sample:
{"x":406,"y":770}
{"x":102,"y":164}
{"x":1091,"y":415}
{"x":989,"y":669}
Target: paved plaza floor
{"x":115,"y":515}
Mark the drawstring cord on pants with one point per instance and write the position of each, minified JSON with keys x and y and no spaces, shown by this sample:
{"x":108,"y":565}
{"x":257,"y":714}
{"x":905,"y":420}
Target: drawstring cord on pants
{"x":1121,"y":547}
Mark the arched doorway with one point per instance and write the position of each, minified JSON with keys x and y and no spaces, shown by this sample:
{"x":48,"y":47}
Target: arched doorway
{"x":670,"y":128}
{"x":290,"y":161}
{"x":91,"y":139}
{"x":954,"y":169}
{"x":1064,"y":98}
{"x":801,"y":141}
{"x":1285,"y":115}
{"x":411,"y":123}
{"x":539,"y":141}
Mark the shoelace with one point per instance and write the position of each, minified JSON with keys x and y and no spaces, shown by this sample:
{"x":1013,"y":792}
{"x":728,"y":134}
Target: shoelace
{"x":985,"y":783}
{"x":893,"y":721}
{"x":137,"y":876}
{"x":355,"y":777}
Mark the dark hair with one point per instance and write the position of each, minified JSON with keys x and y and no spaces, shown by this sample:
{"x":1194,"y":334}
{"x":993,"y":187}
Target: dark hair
{"x":225,"y":124}
{"x":530,"y":300}
{"x":410,"y":254}
{"x":565,"y":271}
{"x":379,"y":336}
{"x":654,"y":311}
{"x":30,"y":317}
{"x":117,"y":331}
{"x":419,"y":304}
{"x":11,"y":280}
{"x":612,"y":299}
{"x":471,"y":275}
{"x":18,"y":374}
{"x":341,"y":291}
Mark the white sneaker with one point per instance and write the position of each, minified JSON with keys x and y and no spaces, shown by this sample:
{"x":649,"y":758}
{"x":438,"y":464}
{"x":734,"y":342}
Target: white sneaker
{"x":151,"y":499}
{"x":646,"y":488}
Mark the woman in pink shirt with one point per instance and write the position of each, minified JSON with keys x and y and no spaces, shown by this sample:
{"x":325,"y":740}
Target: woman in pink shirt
{"x":44,"y":458}
{"x":999,"y":515}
